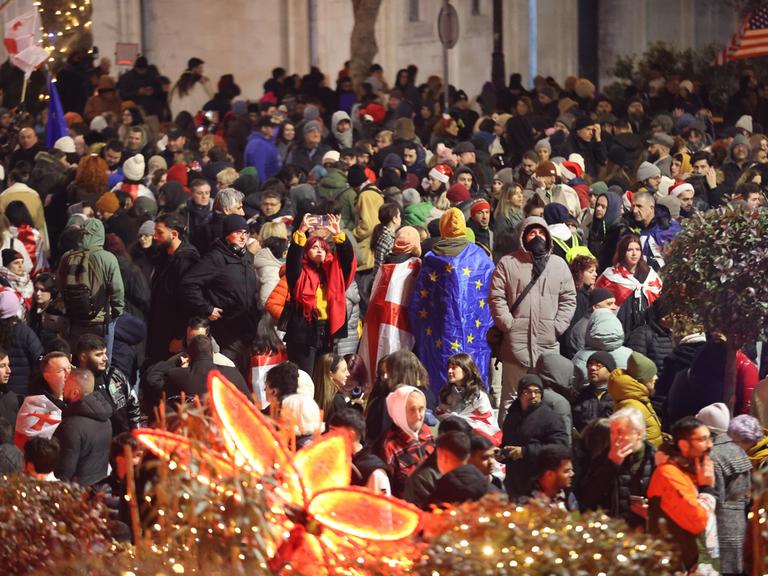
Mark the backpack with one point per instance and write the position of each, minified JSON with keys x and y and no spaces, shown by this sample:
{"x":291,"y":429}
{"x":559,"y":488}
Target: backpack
{"x":575,"y":249}
{"x":82,"y":291}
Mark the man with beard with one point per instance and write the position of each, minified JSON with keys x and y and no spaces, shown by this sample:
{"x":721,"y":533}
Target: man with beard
{"x":636,"y":115}
{"x":167,"y":320}
{"x":223,"y":287}
{"x":113,"y":156}
{"x":659,"y":146}
{"x":532,"y":300}
{"x":92,"y":356}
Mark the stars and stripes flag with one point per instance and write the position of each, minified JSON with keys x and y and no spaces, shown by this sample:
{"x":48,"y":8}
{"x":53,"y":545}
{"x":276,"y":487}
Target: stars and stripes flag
{"x":450,"y":313}
{"x":750,"y":41}
{"x":387,"y":328}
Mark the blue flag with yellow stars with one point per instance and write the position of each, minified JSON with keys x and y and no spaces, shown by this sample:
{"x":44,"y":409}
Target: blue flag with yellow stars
{"x":449,"y":311}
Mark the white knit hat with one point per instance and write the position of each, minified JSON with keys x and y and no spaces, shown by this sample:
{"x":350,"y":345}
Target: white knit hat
{"x":65,"y":144}
{"x":133,"y":168}
{"x":98,"y":124}
{"x":716,"y":416}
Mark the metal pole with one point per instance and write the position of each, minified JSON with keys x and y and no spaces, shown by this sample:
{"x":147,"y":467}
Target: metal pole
{"x":312,"y":16}
{"x":446,"y":82}
{"x":498,"y":74}
{"x":533,"y":40}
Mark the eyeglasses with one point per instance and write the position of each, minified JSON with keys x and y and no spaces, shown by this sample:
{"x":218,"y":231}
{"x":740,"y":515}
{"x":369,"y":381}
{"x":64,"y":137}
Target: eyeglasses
{"x":531,"y":392}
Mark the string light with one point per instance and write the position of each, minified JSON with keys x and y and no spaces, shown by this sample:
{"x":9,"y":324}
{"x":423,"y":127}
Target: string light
{"x":70,"y":21}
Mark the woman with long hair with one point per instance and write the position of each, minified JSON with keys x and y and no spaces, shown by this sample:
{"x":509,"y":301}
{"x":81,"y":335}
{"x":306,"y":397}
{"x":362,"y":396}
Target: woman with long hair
{"x":632,"y":281}
{"x":45,"y":292}
{"x":317,"y":281}
{"x":331,"y":391}
{"x":286,"y":137}
{"x":507,"y":215}
{"x":464,"y":395}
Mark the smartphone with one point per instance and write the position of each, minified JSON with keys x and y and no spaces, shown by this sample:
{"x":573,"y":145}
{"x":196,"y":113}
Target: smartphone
{"x":318,"y":221}
{"x":503,"y":454}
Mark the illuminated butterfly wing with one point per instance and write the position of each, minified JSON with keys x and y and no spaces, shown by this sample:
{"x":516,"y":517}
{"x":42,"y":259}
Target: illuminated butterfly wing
{"x":248,"y":435}
{"x":358,"y":512}
{"x":324,"y":464}
{"x":179,"y":449}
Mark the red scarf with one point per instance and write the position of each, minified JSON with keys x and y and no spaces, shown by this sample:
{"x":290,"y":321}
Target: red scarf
{"x":335,"y":286}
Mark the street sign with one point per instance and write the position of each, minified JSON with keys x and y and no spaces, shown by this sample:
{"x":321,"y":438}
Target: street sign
{"x":448,"y":26}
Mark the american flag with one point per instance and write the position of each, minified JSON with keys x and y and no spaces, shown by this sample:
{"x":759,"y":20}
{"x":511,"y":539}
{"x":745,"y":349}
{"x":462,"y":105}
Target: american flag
{"x":750,"y":41}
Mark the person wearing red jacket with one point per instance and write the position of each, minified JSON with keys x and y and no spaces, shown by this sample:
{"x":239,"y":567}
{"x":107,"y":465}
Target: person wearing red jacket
{"x":682,"y":489}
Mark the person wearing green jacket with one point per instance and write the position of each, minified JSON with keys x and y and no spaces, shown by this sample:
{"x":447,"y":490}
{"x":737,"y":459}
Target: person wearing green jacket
{"x":415,"y":210}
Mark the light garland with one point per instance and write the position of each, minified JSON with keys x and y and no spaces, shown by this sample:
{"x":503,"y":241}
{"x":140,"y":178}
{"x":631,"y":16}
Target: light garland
{"x":65,"y":25}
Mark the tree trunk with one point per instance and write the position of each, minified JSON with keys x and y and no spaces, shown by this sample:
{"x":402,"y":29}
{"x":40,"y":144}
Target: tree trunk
{"x":363,"y":46}
{"x":729,"y":380}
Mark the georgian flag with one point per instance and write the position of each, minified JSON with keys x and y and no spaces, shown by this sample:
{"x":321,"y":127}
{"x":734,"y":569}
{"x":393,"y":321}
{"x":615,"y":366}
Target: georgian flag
{"x":38,"y":416}
{"x":387,"y":328}
{"x":21,"y":42}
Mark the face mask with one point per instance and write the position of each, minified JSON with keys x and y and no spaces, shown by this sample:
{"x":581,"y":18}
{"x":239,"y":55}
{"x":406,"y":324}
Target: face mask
{"x":537,"y":246}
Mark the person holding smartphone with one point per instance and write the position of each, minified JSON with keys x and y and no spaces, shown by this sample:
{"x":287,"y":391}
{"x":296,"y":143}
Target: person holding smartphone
{"x":317,"y":280}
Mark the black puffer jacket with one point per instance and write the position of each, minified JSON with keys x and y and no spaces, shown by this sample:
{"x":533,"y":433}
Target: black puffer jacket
{"x":535,"y":429}
{"x":609,"y":487}
{"x":652,"y":339}
{"x":85,"y":436}
{"x":590,"y":404}
{"x":168,"y":314}
{"x":227,"y":280}
{"x":24,"y":354}
{"x":9,"y":404}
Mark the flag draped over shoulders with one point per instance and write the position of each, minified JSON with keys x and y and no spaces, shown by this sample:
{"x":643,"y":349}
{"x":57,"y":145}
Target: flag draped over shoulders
{"x":387,"y":328}
{"x":449,"y":311}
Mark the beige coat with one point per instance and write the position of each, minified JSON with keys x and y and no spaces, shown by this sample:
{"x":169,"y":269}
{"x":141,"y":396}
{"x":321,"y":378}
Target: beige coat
{"x":546,"y":311}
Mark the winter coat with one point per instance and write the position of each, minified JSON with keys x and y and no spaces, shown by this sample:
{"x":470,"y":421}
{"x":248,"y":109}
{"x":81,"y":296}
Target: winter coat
{"x":261,"y":154}
{"x":403,"y":453}
{"x":604,"y":333}
{"x":193,"y":381}
{"x":126,"y":411}
{"x":137,"y":292}
{"x":590,"y":404}
{"x":9,"y":404}
{"x":123,"y":226}
{"x":606,"y":486}
{"x":11,"y":459}
{"x":421,"y":483}
{"x":305,"y":158}
{"x":24,"y":356}
{"x":546,"y":311}
{"x":652,"y":340}
{"x":604,"y":234}
{"x":680,"y":359}
{"x":656,"y":237}
{"x":267,"y":269}
{"x":332,"y":185}
{"x":535,"y":429}
{"x":85,"y":437}
{"x":704,"y":383}
{"x":168,"y":314}
{"x":733,"y":481}
{"x":224,"y":279}
{"x":368,"y":203}
{"x":348,"y":344}
{"x":104,"y":264}
{"x":129,"y":350}
{"x":31,"y":199}
{"x":557,"y":374}
{"x":629,"y":393}
{"x":416,"y":214}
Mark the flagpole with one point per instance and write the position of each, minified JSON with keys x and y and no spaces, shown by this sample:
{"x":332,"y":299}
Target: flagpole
{"x":24,"y":90}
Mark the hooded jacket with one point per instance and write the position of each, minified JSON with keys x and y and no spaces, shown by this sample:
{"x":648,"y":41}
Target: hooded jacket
{"x":368,"y":203}
{"x":403,"y":449}
{"x":604,"y":333}
{"x":556,"y":372}
{"x":262,"y":155}
{"x":343,"y":139}
{"x":104,"y":264}
{"x":546,"y":311}
{"x":629,"y":393}
{"x":85,"y":436}
{"x":604,"y":234}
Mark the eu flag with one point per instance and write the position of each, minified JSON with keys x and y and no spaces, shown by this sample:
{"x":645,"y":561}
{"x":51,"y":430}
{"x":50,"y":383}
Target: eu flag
{"x":56,"y":126}
{"x":449,"y":311}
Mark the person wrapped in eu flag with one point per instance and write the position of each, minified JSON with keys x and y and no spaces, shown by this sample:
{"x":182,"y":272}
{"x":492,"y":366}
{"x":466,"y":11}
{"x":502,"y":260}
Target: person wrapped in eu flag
{"x":449,"y":310}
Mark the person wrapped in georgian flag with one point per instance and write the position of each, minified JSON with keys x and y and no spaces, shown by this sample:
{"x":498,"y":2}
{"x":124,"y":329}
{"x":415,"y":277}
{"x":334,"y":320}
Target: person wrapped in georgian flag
{"x":387,"y":328}
{"x":634,"y":284}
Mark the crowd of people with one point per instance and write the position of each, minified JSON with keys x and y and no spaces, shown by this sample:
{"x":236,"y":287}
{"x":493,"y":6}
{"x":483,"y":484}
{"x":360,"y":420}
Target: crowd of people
{"x":472,"y":292}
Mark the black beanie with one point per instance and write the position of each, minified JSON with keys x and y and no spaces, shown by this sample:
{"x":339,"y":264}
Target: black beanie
{"x":356,"y":176}
{"x":233,"y":223}
{"x":9,"y":255}
{"x":598,"y":295}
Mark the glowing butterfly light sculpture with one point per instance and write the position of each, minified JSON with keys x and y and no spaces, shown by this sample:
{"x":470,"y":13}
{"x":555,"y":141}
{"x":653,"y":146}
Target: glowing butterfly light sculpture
{"x":324,"y":518}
